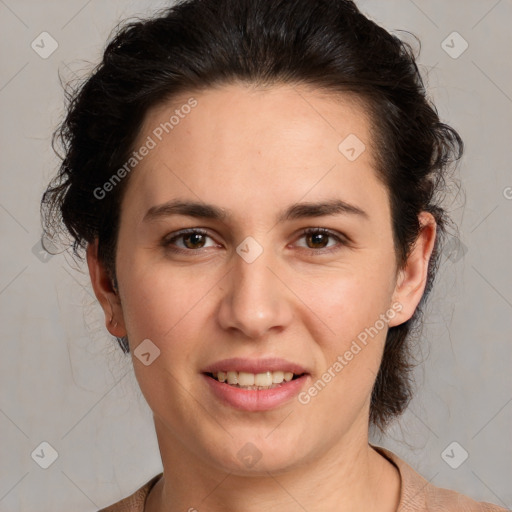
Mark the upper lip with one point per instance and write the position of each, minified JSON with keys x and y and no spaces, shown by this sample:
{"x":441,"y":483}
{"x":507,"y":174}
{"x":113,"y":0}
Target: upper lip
{"x":239,"y":364}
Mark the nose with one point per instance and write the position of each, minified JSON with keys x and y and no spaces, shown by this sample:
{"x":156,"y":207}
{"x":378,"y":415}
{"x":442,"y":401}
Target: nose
{"x":256,"y":300}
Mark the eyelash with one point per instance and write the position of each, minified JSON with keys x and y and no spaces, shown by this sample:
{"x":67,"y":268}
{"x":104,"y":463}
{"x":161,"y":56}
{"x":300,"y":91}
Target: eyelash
{"x":167,"y":241}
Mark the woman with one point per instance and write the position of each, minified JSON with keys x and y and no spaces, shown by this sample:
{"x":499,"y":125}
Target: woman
{"x":254,"y":184}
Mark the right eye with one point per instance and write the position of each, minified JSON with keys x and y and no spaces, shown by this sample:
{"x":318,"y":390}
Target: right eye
{"x":193,"y":239}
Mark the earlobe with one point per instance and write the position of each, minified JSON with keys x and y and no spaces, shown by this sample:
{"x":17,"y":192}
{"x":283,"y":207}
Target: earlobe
{"x":105,"y":293}
{"x":412,"y":279}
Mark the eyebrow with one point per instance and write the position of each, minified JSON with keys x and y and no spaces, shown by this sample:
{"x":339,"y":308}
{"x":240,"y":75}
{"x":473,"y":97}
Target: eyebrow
{"x":293,"y":212}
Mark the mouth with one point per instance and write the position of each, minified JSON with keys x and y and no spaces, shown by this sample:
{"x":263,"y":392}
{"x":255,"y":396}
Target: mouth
{"x":244,"y":396}
{"x":255,"y":385}
{"x":254,"y":381}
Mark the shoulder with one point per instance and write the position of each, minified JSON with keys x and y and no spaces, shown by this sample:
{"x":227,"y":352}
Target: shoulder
{"x":418,"y":494}
{"x":135,"y":502}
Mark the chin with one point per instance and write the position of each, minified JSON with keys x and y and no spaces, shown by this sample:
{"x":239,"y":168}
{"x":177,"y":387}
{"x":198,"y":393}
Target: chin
{"x":255,"y":455}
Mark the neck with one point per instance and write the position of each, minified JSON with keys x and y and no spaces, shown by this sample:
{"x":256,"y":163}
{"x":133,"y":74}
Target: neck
{"x":349,"y":476}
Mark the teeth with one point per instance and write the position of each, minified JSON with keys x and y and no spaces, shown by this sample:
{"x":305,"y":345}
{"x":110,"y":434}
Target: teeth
{"x":232,"y":378}
{"x":245,"y":379}
{"x":288,"y":376}
{"x":254,"y":380}
{"x":264,"y":379}
{"x":277,"y":377}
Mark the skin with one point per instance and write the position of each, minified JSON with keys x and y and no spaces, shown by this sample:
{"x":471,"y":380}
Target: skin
{"x":253,"y":153}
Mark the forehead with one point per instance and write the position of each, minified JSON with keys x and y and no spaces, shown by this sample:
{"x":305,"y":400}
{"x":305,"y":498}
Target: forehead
{"x":283,"y":116}
{"x":237,"y":142}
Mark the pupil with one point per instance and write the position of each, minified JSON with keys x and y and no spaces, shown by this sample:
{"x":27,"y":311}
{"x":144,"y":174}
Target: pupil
{"x":317,"y":238}
{"x":194,"y":237}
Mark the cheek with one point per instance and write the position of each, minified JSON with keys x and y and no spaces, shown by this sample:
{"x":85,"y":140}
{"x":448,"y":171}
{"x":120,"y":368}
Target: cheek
{"x":164,"y":305}
{"x":348,"y":300}
{"x":351,"y":311}
{"x":159,"y":301}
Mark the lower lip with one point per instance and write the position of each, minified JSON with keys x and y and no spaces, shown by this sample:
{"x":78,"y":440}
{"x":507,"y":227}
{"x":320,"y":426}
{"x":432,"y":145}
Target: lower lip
{"x":253,"y":399}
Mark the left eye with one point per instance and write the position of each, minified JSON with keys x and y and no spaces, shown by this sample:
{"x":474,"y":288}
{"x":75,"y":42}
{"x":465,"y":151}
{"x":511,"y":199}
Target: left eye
{"x":320,"y":236}
{"x":192,"y":237}
{"x":316,"y":238}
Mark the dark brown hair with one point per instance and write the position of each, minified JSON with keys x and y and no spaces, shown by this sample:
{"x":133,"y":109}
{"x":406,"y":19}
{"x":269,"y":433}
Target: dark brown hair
{"x":196,"y":44}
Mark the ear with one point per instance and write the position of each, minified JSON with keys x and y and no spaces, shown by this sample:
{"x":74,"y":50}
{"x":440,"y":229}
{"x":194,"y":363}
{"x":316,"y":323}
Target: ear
{"x":412,"y":279}
{"x":105,"y":293}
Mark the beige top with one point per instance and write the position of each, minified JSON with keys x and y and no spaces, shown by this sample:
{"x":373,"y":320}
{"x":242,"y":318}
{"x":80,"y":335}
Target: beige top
{"x":416,"y":494}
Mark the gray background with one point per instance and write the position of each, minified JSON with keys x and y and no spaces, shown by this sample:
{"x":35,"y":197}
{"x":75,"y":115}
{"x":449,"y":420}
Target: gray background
{"x":65,"y":381}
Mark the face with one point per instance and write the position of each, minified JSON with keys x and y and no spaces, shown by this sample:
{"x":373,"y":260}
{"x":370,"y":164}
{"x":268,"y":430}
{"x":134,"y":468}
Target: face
{"x":290,"y":268}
